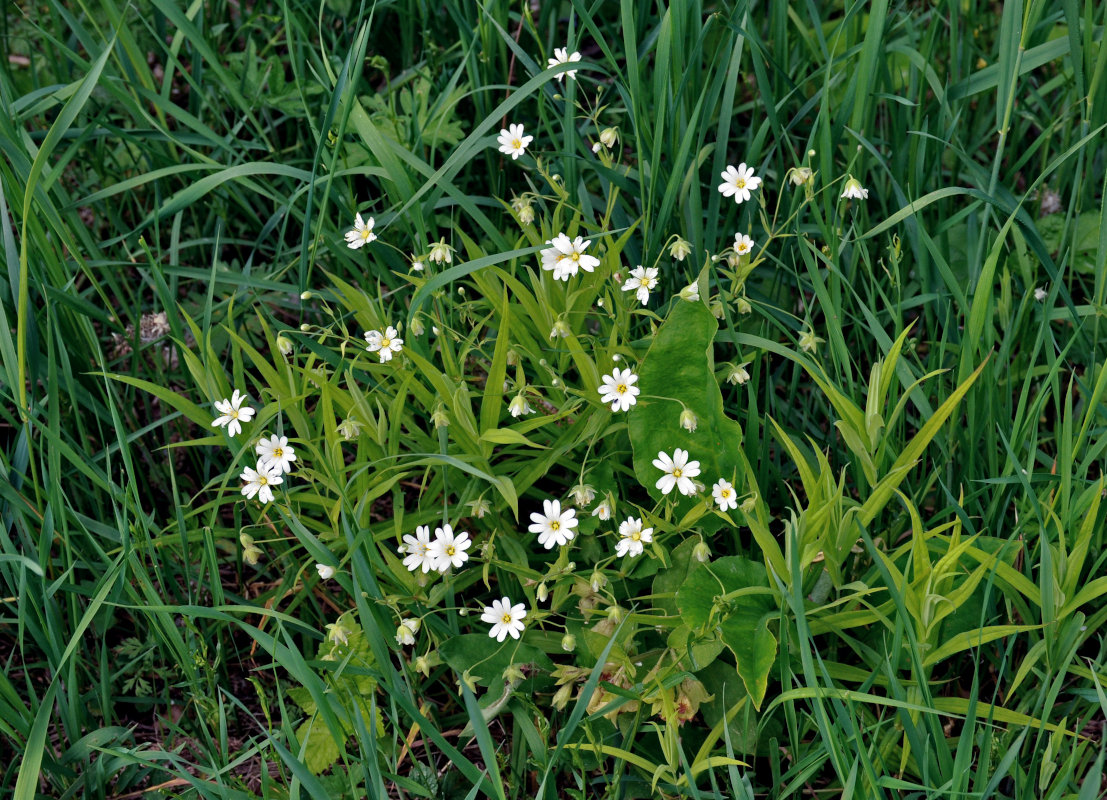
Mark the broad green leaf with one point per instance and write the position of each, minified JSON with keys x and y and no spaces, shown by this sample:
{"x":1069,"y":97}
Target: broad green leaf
{"x":733,"y":593}
{"x":677,"y":373}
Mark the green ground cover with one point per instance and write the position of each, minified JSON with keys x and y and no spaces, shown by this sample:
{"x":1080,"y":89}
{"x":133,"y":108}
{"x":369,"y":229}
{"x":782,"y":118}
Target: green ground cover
{"x":784,"y":479}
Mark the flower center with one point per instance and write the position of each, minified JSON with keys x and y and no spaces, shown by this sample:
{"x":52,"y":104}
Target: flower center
{"x":636,"y":536}
{"x":740,"y":183}
{"x":450,"y":550}
{"x":233,"y":413}
{"x":262,"y":480}
{"x":725,"y":493}
{"x":555,"y":526}
{"x":278,"y":452}
{"x":621,"y":388}
{"x":366,"y":233}
{"x":575,"y":257}
{"x":676,"y":472}
{"x":506,"y":619}
{"x":385,"y":341}
{"x":516,"y":144}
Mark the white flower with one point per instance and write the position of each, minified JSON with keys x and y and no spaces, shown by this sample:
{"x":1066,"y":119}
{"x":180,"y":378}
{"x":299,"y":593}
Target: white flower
{"x":406,"y":630}
{"x":688,"y":420}
{"x":619,"y":389}
{"x":326,"y":571}
{"x":582,"y":494}
{"x":522,"y":207}
{"x":504,"y":618}
{"x":680,"y":249}
{"x":260,"y":481}
{"x":609,"y":137}
{"x":384,"y":344}
{"x":854,"y":190}
{"x":362,"y":233}
{"x":513,"y":142}
{"x":738,"y":183}
{"x":284,"y":344}
{"x":232,"y":413}
{"x":1040,"y":294}
{"x":563,"y":56}
{"x":440,"y":251}
{"x":691,"y":292}
{"x":724,"y":494}
{"x":742,"y":244}
{"x":349,"y":429}
{"x":417,"y":550}
{"x":276,"y":452}
{"x":566,"y":256}
{"x":605,"y":509}
{"x":519,"y":406}
{"x":417,"y":264}
{"x":554,"y":526}
{"x":678,"y":470}
{"x":448,"y":550}
{"x":642,"y":279}
{"x":632,"y":535}
{"x":738,"y":374}
{"x":560,"y":329}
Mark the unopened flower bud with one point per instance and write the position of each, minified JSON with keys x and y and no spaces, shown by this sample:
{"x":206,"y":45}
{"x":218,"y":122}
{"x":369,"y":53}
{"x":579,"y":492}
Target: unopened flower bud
{"x":305,"y":295}
{"x":326,"y":571}
{"x":560,"y":329}
{"x":284,"y":345}
{"x":688,"y":420}
{"x":691,"y":293}
{"x":561,"y":697}
{"x":541,"y":593}
{"x":609,"y":137}
{"x":252,"y":555}
{"x":716,"y":307}
{"x":349,"y":429}
{"x":743,"y":305}
{"x":417,"y":327}
{"x":701,"y":552}
{"x":405,"y":632}
{"x":615,"y":613}
{"x":680,"y":249}
{"x":245,"y":539}
{"x":596,"y":147}
{"x":512,"y":357}
{"x":801,"y":175}
{"x":305,"y":327}
{"x":568,"y":643}
{"x":439,"y":417}
{"x":598,"y":580}
{"x":749,"y":504}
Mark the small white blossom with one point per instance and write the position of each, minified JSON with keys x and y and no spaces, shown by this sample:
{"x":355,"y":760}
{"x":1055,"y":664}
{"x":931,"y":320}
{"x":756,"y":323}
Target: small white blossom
{"x":605,"y":509}
{"x":742,"y":244}
{"x":724,"y":494}
{"x":284,"y":344}
{"x":505,"y":619}
{"x":276,"y":452}
{"x":619,"y":390}
{"x":260,"y":481}
{"x":563,"y":56}
{"x":738,"y":374}
{"x":632,"y":536}
{"x":566,"y":256}
{"x":232,"y":413}
{"x":582,"y":494}
{"x":1040,"y":294}
{"x":417,"y":550}
{"x":691,"y":292}
{"x":678,"y":470}
{"x":738,"y":183}
{"x":854,"y":190}
{"x":519,"y":406}
{"x":553,"y":526}
{"x":596,"y":147}
{"x":440,"y":251}
{"x":406,"y":630}
{"x":448,"y":550}
{"x":642,"y":280}
{"x":362,"y":233}
{"x":801,"y":175}
{"x":384,"y":344}
{"x":326,"y":571}
{"x":513,"y":142}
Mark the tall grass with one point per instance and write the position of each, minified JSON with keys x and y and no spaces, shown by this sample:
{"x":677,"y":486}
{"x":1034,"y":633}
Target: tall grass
{"x":204,"y":161}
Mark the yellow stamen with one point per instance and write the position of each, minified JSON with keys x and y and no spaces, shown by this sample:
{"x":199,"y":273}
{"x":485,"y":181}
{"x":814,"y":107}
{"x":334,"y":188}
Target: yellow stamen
{"x":506,"y":619}
{"x":676,"y":473}
{"x":555,"y":526}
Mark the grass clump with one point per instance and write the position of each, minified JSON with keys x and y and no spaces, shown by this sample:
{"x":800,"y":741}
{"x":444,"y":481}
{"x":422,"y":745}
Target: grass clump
{"x":539,"y":400}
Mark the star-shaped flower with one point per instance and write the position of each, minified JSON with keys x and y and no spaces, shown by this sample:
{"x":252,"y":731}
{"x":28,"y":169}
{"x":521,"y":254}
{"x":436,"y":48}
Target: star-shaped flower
{"x":554,"y":526}
{"x":678,"y":470}
{"x":641,"y":281}
{"x":504,"y":618}
{"x":738,"y":183}
{"x":566,"y":256}
{"x":513,"y":142}
{"x":619,"y":389}
{"x":384,"y":344}
{"x":362,"y":233}
{"x":232,"y":413}
{"x":563,"y":56}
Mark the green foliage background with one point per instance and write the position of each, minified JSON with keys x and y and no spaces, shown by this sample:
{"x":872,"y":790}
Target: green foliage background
{"x":911,"y":606}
